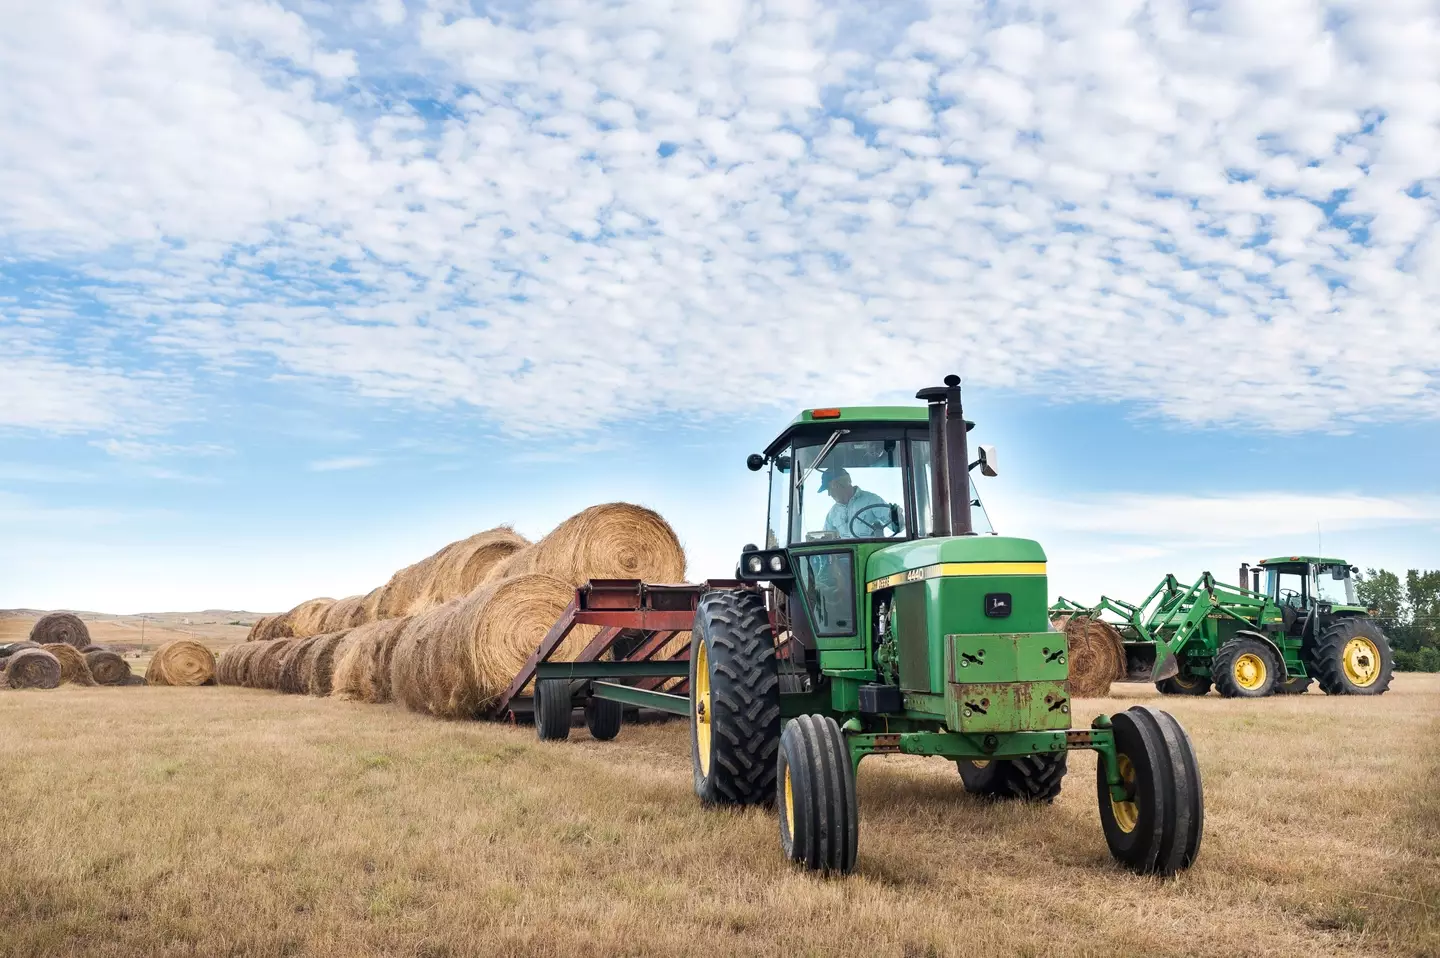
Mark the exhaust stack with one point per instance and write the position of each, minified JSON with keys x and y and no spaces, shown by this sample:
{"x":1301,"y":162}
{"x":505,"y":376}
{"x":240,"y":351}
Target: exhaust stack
{"x":949,"y":460}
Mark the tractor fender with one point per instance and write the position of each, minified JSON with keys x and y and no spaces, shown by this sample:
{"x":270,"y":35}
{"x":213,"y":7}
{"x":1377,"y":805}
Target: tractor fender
{"x":1262,"y":637}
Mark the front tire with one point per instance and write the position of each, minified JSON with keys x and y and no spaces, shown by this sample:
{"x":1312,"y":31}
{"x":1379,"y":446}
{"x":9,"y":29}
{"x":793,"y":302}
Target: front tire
{"x":1032,"y":778}
{"x":1183,"y":684}
{"x":1352,"y":657}
{"x":1245,"y":668}
{"x":1157,"y":829}
{"x":734,"y":700}
{"x":815,"y":796}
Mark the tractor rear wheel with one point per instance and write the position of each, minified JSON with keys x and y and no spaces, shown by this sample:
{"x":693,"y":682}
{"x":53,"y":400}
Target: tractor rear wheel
{"x":1183,"y":684}
{"x":734,"y":700}
{"x":1351,"y":657}
{"x":1157,"y":829}
{"x":815,"y":796}
{"x":1032,"y":778}
{"x":603,"y":718}
{"x":552,"y":710}
{"x":1245,"y":668}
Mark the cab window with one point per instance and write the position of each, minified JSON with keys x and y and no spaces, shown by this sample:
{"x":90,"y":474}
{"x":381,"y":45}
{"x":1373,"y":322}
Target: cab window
{"x":777,"y":532}
{"x":855,"y":491}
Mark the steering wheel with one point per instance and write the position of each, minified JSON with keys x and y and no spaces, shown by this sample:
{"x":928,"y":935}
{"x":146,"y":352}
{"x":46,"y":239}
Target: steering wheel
{"x":1291,"y":598}
{"x":871,"y":527}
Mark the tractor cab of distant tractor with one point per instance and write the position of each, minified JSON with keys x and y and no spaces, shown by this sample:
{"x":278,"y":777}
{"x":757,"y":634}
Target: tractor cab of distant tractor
{"x":1305,"y":588}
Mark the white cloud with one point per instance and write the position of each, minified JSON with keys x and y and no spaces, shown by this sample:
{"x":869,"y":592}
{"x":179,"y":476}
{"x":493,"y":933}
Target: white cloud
{"x":342,"y":462}
{"x":590,"y":213}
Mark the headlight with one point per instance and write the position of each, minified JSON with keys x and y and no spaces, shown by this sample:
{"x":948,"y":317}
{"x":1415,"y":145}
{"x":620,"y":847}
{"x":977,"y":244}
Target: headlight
{"x":753,"y":565}
{"x":777,"y":563}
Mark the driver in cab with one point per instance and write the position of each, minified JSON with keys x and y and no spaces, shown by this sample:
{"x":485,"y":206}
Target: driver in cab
{"x":845,"y":519}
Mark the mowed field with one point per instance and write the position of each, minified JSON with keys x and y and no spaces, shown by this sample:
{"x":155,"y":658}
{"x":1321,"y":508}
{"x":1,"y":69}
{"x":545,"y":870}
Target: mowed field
{"x":222,"y":821}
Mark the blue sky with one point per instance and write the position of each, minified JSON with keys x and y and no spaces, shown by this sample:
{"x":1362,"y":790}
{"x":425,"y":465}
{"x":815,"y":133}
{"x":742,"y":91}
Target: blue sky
{"x":293,"y":294}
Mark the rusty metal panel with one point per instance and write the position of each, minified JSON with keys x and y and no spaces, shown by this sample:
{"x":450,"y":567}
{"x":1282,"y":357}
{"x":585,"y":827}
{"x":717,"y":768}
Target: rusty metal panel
{"x":1007,"y":706}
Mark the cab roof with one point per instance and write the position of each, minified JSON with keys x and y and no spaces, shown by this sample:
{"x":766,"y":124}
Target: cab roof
{"x":1286,"y":560}
{"x":853,"y":416}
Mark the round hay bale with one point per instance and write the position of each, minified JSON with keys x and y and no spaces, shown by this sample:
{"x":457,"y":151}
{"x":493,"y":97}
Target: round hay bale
{"x":182,"y":662}
{"x":135,"y":680}
{"x":321,"y":665}
{"x":73,"y":667}
{"x":344,"y":614}
{"x":371,"y":604}
{"x":245,"y":664}
{"x":459,"y":568}
{"x":403,"y":595}
{"x":63,"y":627}
{"x":308,"y":618}
{"x":107,"y":667}
{"x":296,"y":667}
{"x":456,"y":660}
{"x":264,"y":670}
{"x":270,"y":627}
{"x":358,"y":675}
{"x":10,"y":648}
{"x":1097,"y":656}
{"x":32,"y":669}
{"x":616,"y":540}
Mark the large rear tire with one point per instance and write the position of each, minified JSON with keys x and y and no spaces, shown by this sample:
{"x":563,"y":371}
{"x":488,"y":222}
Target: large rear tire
{"x":1245,"y":668}
{"x":1351,"y":657}
{"x":815,"y":796}
{"x":1033,"y":778}
{"x":1157,"y":829}
{"x":734,"y":700}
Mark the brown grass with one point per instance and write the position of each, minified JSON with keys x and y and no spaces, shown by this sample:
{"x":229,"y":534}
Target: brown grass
{"x":1097,"y":656}
{"x":108,"y":668}
{"x":331,"y":830}
{"x":615,"y":540}
{"x":60,"y":627}
{"x":183,"y":662}
{"x":73,"y":667}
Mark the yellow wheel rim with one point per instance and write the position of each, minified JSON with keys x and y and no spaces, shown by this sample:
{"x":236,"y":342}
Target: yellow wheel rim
{"x":702,"y":707}
{"x":789,"y":804}
{"x":1361,"y":661}
{"x":983,"y":764}
{"x":1126,"y":814}
{"x":1250,"y":671}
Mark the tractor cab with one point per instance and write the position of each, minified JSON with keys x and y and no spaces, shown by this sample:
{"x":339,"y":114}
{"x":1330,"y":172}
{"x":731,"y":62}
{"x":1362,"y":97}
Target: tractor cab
{"x":1305,"y":586}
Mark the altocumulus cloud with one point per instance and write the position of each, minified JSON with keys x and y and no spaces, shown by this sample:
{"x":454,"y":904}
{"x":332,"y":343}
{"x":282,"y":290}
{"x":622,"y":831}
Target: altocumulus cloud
{"x":1223,"y":213}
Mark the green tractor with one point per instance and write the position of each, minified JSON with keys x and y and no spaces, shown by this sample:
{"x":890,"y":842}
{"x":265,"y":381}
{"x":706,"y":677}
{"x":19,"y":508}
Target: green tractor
{"x":1302,"y":624}
{"x":881,"y":617}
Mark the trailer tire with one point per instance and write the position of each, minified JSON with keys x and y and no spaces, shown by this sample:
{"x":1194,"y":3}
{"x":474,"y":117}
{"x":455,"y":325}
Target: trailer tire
{"x":1032,"y":778}
{"x":552,"y":710}
{"x":1157,"y":830}
{"x":815,"y":796}
{"x":1246,"y":668}
{"x":1184,"y":685}
{"x":1351,"y":657}
{"x":734,"y":700}
{"x":603,"y":718}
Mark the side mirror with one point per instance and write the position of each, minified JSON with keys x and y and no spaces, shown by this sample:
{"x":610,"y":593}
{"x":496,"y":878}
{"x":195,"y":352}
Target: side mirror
{"x":754,"y":462}
{"x":987,"y":461}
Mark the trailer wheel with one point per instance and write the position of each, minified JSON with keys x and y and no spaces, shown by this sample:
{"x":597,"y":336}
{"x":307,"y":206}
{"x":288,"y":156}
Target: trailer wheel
{"x":1033,"y":778}
{"x":1157,"y":829}
{"x":1297,"y":685}
{"x":1183,"y":684}
{"x":815,"y":796}
{"x":1245,"y":668}
{"x":552,"y":710}
{"x":1351,"y":657}
{"x":734,"y":700}
{"x":603,"y":718}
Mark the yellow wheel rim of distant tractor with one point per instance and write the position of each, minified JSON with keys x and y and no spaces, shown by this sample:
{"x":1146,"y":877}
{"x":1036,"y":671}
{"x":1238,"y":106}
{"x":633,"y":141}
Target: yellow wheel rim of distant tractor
{"x":1249,"y":671}
{"x":1126,"y":814}
{"x":977,"y":764}
{"x":1361,"y":661}
{"x":789,"y":804}
{"x":702,"y":706}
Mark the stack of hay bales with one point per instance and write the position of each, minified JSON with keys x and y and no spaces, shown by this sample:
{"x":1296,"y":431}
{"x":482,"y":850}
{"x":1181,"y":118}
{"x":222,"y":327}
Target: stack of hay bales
{"x":181,"y":662}
{"x":69,"y":659}
{"x":448,"y":634}
{"x":73,"y":667}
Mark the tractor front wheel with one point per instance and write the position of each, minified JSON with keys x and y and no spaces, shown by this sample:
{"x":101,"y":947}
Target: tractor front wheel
{"x":1294,"y":686}
{"x":1245,"y":668}
{"x":1156,"y":829}
{"x":1351,"y":657}
{"x":1033,"y":778}
{"x":734,"y":700}
{"x":815,"y":796}
{"x":1183,"y":684}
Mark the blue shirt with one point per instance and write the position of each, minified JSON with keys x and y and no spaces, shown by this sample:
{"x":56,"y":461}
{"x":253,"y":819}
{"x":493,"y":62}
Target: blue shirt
{"x":842,"y":514}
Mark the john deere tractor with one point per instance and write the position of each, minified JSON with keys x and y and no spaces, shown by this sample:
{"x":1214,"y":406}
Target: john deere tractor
{"x":1300,"y":625}
{"x":882,"y":617}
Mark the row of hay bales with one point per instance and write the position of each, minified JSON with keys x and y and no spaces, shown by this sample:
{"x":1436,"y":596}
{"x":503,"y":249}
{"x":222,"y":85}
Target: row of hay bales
{"x":447,"y":635}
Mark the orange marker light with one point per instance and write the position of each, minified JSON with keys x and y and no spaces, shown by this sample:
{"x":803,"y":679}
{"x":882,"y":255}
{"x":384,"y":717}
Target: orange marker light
{"x":824,"y":414}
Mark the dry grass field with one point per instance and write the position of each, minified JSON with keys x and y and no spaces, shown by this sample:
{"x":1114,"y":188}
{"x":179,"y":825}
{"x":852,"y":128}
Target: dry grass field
{"x":223,"y":821}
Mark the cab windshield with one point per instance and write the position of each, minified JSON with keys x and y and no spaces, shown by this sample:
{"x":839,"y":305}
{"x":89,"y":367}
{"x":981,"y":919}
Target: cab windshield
{"x":856,"y":491}
{"x":1334,"y":585}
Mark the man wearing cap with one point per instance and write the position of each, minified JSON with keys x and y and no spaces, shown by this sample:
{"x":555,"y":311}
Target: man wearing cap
{"x":845,"y":519}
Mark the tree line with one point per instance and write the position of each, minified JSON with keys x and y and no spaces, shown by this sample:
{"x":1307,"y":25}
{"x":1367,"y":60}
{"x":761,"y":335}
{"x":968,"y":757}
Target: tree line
{"x":1409,"y":612}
